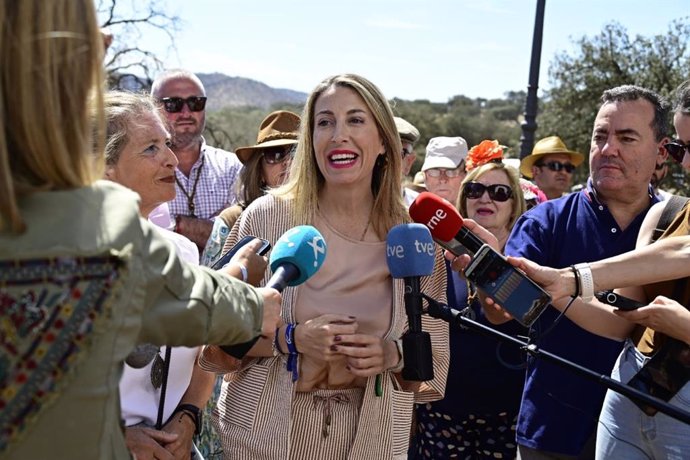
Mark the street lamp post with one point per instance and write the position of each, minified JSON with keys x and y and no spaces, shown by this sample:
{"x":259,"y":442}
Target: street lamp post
{"x":529,"y":126}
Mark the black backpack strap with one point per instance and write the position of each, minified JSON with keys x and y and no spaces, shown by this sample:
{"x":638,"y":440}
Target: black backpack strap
{"x":673,"y":206}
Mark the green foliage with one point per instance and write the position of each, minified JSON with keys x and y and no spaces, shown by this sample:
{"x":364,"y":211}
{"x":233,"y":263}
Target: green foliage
{"x":610,"y":59}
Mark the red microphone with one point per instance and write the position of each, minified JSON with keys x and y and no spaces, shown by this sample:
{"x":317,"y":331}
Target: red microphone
{"x":445,"y":224}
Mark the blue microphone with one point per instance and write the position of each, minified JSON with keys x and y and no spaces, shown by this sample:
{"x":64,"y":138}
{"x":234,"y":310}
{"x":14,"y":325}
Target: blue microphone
{"x":410,"y":254}
{"x":297,"y":255}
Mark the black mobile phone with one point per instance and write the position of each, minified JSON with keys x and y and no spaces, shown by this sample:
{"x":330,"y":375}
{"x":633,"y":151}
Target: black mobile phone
{"x":265,"y":247}
{"x":493,"y":275}
{"x":618,"y":301}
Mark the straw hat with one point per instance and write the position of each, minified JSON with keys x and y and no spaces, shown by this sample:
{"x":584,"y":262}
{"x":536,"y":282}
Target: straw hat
{"x":546,"y":146}
{"x":278,"y":128}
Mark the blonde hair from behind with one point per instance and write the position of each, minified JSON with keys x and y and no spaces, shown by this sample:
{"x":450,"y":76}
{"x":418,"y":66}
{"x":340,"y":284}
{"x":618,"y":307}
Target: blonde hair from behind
{"x":50,"y":74}
{"x":306,"y":180}
{"x":518,"y":206}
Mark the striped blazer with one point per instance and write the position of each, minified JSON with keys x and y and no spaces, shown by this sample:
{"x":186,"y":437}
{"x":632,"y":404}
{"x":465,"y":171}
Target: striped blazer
{"x":254,"y":408}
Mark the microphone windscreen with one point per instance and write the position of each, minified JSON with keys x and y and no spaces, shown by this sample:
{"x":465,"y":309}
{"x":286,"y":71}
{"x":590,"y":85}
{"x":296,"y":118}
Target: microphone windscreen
{"x":302,"y":246}
{"x":437,"y":214}
{"x":409,"y":251}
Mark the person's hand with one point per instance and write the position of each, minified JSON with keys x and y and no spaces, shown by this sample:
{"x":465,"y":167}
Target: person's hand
{"x":183,"y":426}
{"x":271,"y":319}
{"x":320,"y":337}
{"x":254,"y":263}
{"x":367,"y":355}
{"x":459,"y":263}
{"x":147,"y":443}
{"x":663,"y":315}
{"x":559,"y":283}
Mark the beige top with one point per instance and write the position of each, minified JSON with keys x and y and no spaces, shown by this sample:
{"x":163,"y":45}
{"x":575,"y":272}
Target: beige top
{"x":69,"y":408}
{"x":364,"y":291}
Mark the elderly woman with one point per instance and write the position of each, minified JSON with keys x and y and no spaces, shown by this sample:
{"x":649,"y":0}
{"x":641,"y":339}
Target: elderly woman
{"x":476,"y":418}
{"x":83,"y":276}
{"x":349,"y":399}
{"x":158,"y":417}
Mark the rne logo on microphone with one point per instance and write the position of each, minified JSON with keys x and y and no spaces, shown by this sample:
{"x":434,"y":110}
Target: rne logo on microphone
{"x":438,"y":216}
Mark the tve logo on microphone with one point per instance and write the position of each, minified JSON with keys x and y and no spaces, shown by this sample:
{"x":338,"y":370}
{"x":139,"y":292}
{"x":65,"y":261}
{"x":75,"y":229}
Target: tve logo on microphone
{"x":410,"y":251}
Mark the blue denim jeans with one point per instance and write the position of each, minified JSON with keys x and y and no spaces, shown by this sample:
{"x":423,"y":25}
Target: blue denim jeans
{"x":626,"y":432}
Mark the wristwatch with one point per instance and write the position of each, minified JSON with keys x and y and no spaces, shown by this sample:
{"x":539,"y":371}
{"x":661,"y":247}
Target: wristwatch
{"x":194,"y":412}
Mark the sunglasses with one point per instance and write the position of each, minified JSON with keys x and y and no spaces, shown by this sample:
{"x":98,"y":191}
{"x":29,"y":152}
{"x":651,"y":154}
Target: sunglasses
{"x":436,"y":172}
{"x":677,"y":150}
{"x":497,"y":192}
{"x":558,"y":166}
{"x":175,"y":104}
{"x":275,"y":155}
{"x":406,"y":152}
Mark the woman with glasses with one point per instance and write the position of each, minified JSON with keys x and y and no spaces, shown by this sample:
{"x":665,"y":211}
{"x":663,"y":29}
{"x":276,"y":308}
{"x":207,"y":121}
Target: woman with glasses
{"x":266,"y":165}
{"x":476,"y":418}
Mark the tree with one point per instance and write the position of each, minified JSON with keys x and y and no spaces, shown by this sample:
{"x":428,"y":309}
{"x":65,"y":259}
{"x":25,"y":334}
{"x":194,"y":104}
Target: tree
{"x":607,"y":60}
{"x":128,"y":63}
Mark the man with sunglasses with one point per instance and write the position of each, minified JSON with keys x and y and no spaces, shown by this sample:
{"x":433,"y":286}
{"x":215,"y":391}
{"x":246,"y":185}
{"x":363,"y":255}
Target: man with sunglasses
{"x":559,"y":410}
{"x":551,"y":165}
{"x":444,"y":166}
{"x":205,"y":176}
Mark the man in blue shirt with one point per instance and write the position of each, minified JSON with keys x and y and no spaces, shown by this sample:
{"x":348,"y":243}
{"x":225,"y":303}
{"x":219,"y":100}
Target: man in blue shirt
{"x":559,"y":408}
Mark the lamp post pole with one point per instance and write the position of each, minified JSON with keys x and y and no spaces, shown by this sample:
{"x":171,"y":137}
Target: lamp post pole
{"x":529,"y":126}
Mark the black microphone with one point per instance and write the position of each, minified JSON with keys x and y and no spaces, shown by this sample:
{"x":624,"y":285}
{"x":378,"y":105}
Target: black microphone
{"x":297,"y":255}
{"x":410,"y":254}
{"x":444,"y":223}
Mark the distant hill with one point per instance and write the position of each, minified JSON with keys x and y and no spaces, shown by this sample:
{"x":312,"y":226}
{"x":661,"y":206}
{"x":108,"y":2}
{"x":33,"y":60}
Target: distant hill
{"x":224,"y":91}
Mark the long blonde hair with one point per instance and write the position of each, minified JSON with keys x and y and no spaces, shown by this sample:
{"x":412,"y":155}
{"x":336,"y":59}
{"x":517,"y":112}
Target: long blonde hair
{"x":51,"y":56}
{"x":306,"y":180}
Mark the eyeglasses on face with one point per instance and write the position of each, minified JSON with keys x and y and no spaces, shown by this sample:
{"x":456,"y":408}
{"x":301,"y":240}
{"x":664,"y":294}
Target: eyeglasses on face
{"x":497,"y":192}
{"x":275,"y":155}
{"x":437,"y":172}
{"x":677,"y":149}
{"x":175,"y":104}
{"x":558,"y":166}
{"x":407,"y":151}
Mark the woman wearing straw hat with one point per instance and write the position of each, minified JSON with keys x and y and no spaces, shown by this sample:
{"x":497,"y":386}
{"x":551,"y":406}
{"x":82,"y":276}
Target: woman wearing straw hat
{"x":551,"y":165}
{"x":266,"y":165}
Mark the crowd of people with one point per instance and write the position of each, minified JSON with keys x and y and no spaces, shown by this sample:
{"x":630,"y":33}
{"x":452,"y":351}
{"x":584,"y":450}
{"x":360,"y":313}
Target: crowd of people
{"x":119,"y":324}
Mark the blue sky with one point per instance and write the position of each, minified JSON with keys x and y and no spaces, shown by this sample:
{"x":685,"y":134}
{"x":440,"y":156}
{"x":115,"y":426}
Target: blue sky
{"x":412,"y":49}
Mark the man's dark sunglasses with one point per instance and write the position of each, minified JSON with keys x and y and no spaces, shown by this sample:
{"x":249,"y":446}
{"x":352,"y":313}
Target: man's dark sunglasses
{"x":275,"y":155}
{"x":175,"y":104}
{"x":558,"y":166}
{"x":497,"y":192}
{"x":677,"y":150}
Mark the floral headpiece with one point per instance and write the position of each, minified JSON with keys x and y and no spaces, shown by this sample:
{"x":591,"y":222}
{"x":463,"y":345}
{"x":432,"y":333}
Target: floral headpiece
{"x":485,"y":152}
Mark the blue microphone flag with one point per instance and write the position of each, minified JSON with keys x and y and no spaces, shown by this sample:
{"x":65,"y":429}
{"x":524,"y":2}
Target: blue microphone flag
{"x":410,"y":251}
{"x":302,"y":246}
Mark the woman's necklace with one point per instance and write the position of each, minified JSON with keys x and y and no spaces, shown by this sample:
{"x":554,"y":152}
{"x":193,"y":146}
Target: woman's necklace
{"x":190,"y":197}
{"x":366,"y":228}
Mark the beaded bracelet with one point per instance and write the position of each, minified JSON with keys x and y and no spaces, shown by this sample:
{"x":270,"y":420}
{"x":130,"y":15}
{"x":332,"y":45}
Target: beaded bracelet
{"x":292,"y":350}
{"x":276,"y":344}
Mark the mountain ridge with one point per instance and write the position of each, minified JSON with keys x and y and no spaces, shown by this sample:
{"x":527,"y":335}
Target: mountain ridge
{"x":225,"y":91}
